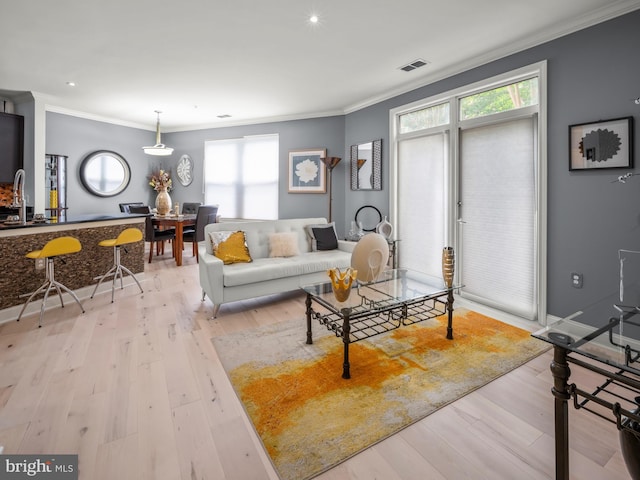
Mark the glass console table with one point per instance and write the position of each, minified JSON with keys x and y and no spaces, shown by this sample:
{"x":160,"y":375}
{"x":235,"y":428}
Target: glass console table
{"x":399,"y":297}
{"x":603,"y":338}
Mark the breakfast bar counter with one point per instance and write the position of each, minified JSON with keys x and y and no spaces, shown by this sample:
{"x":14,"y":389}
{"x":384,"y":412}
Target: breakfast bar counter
{"x":19,"y":276}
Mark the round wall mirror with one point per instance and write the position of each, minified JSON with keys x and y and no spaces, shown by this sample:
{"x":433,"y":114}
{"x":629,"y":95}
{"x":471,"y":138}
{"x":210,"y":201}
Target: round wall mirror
{"x":104,"y":173}
{"x":369,"y":216}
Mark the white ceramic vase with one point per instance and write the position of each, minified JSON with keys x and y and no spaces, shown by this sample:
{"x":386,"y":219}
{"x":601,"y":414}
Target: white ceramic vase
{"x":385,"y":228}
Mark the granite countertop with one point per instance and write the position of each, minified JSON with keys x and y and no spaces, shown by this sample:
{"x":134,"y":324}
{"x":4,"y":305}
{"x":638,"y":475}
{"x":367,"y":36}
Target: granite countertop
{"x":71,"y":219}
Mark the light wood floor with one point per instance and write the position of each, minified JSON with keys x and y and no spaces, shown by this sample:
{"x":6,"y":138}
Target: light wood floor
{"x":137,"y":390}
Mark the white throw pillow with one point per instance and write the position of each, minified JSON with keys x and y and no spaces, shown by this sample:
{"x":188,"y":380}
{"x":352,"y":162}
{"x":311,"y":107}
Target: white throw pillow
{"x":283,"y":244}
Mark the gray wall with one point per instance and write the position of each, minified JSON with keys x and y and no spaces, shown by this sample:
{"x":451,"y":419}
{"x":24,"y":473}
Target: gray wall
{"x":294,"y":135}
{"x":76,"y":138}
{"x":592,"y":74}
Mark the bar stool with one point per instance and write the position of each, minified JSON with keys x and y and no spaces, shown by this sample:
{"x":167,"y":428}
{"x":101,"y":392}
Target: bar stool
{"x":53,"y":248}
{"x":129,"y":235}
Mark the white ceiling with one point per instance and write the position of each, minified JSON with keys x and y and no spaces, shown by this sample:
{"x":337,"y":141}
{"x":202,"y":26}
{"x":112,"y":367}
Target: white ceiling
{"x":259,"y":60}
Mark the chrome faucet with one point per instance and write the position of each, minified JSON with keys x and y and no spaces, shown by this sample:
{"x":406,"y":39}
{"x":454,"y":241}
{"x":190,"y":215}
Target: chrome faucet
{"x":18,"y":196}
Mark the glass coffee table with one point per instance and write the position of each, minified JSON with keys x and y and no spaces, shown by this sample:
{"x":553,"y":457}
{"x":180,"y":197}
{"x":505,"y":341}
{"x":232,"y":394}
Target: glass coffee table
{"x":603,"y":338}
{"x":398,"y":297}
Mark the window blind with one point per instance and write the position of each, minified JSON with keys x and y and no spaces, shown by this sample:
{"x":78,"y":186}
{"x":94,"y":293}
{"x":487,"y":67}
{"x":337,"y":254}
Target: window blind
{"x":497,"y":193}
{"x":421,"y":202}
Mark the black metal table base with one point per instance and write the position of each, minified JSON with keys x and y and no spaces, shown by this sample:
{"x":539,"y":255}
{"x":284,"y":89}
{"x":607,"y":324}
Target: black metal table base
{"x":353,"y":324}
{"x":614,"y":400}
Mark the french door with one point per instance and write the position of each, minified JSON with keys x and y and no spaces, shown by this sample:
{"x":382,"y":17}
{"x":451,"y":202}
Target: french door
{"x":469,"y":171}
{"x":497,"y":215}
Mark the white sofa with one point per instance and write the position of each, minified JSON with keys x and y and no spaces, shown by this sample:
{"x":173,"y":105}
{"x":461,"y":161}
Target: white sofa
{"x":264,"y":275}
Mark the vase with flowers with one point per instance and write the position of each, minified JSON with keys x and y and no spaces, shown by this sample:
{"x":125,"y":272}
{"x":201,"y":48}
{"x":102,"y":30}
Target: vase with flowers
{"x":160,"y":180}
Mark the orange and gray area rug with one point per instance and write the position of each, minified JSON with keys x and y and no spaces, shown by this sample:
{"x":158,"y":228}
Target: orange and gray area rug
{"x":310,"y":419}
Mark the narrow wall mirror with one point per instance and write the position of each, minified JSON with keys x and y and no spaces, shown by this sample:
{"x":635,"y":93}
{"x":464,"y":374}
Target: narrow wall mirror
{"x":104,"y":173}
{"x":366,"y":166}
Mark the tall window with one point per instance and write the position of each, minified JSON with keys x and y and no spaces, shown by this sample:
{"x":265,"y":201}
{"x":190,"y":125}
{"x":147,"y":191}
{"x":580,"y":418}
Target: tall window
{"x":241,"y":175}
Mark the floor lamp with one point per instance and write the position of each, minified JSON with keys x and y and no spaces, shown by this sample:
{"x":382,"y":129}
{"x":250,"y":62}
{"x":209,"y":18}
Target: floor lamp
{"x":330,"y":162}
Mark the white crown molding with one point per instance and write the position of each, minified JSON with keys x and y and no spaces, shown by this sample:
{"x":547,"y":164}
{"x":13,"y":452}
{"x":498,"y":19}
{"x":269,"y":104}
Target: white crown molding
{"x":256,"y":121}
{"x":50,"y":107}
{"x":578,"y":23}
{"x":98,"y":118}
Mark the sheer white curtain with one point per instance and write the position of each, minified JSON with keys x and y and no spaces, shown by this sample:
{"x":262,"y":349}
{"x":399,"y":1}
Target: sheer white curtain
{"x":241,"y":175}
{"x":421,"y":202}
{"x":497,"y":233}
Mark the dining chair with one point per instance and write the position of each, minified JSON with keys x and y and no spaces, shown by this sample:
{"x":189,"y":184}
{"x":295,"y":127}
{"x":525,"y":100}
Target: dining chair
{"x":206,"y":214}
{"x":190,"y":208}
{"x":125,"y":207}
{"x":154,"y":236}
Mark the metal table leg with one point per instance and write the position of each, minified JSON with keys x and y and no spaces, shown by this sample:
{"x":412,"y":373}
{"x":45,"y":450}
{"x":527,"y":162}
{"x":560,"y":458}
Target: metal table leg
{"x":561,"y":372}
{"x":346,"y":331}
{"x":308,"y":305}
{"x":450,"y":315}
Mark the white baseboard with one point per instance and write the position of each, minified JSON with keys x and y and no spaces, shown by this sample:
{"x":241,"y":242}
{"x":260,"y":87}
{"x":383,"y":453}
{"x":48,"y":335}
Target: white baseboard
{"x":509,"y":318}
{"x":84,"y":294}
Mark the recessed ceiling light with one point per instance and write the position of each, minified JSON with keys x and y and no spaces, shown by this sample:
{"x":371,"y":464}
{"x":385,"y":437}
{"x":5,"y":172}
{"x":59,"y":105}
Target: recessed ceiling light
{"x":314,"y":19}
{"x":71,"y":84}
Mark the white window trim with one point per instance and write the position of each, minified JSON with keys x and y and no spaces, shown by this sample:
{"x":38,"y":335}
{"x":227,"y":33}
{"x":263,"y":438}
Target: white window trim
{"x":538,"y":69}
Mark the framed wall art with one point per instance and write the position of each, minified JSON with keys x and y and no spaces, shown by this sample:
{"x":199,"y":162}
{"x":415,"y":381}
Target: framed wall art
{"x":601,"y":144}
{"x":307,"y":172}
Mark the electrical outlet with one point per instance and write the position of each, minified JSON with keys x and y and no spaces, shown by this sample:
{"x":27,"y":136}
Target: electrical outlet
{"x":39,"y":263}
{"x":576,"y":280}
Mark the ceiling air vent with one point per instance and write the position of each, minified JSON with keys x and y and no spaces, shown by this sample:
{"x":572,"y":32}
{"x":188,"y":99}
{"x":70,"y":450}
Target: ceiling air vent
{"x":413,"y":65}
{"x":226,"y":115}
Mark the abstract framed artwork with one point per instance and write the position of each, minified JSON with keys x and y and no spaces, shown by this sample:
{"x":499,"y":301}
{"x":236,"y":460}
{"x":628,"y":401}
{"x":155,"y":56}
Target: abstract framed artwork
{"x":601,"y":144}
{"x":307,"y":171}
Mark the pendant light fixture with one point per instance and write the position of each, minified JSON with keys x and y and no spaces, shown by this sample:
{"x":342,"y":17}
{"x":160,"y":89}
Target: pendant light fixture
{"x":159,"y":149}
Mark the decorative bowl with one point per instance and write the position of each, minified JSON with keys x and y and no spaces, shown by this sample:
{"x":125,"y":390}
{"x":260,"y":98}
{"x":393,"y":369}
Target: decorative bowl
{"x":341,"y":282}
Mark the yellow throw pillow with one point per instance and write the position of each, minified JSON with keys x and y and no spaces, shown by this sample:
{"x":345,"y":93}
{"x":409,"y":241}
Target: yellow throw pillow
{"x":230,"y":247}
{"x":283,"y":244}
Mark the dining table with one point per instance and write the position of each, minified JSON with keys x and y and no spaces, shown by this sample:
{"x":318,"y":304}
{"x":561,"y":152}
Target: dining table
{"x":178,"y":222}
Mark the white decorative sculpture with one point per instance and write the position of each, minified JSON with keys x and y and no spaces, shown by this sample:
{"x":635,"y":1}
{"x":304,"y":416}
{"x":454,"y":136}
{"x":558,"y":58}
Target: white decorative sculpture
{"x":369,"y":256}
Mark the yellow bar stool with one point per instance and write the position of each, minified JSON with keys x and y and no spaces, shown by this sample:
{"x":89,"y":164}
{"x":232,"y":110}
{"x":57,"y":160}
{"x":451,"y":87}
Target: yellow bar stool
{"x":127,"y":236}
{"x":53,"y":248}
